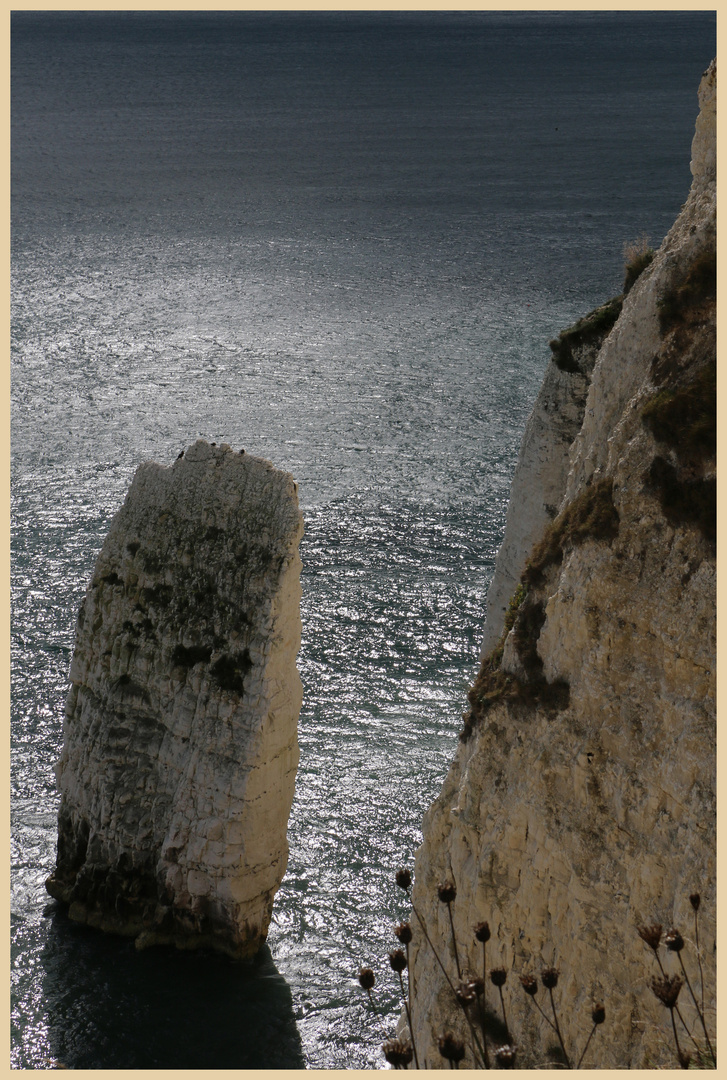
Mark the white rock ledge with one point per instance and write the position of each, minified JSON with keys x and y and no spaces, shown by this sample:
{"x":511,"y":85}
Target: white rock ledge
{"x":180,"y":744}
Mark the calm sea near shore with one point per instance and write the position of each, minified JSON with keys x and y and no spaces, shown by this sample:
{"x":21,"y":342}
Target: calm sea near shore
{"x":342,"y":241}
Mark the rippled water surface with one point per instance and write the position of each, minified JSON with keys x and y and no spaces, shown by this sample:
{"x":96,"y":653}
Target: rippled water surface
{"x":342,"y":242}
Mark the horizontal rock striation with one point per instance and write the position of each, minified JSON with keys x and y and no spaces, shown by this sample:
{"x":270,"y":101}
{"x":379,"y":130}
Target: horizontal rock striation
{"x":180,"y":741}
{"x":581,"y":801}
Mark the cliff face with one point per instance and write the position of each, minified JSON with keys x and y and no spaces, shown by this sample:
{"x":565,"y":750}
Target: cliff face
{"x":581,"y":801}
{"x":180,"y":748}
{"x":540,"y":477}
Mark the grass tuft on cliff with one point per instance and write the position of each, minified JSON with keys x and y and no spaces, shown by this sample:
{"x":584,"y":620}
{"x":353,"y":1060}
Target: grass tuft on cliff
{"x":638,"y":254}
{"x":695,"y":288}
{"x":683,"y":501}
{"x":493,"y":684}
{"x":591,"y":516}
{"x":685,"y":418}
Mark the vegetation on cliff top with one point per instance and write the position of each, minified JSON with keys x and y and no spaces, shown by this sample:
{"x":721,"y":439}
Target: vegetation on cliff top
{"x":593,"y":328}
{"x":590,"y":330}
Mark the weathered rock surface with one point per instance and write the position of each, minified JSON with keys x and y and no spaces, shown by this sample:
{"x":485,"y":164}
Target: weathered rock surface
{"x":541,"y":473}
{"x":581,"y":801}
{"x":180,"y":751}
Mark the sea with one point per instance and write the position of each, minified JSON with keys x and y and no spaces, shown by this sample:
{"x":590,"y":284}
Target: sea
{"x":342,"y":241}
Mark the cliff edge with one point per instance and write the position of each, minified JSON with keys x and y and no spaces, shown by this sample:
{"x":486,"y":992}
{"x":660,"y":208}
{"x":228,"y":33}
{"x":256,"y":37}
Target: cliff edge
{"x":180,"y":740}
{"x":581,"y":801}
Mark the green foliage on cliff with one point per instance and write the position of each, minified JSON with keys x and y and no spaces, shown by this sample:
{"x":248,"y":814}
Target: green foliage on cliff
{"x":526,"y":618}
{"x":697,"y":286}
{"x":685,"y":501}
{"x":637,"y":256}
{"x":188,"y":657}
{"x":590,"y":330}
{"x":685,"y":418}
{"x":230,"y":671}
{"x":591,"y":516}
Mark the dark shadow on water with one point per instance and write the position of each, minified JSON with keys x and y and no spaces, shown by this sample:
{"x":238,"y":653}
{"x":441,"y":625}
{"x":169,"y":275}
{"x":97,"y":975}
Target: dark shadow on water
{"x":111,"y":1007}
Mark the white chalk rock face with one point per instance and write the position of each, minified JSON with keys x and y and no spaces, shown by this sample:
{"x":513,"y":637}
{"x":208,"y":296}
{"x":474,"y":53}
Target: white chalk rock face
{"x":180,"y":751}
{"x":542,"y":467}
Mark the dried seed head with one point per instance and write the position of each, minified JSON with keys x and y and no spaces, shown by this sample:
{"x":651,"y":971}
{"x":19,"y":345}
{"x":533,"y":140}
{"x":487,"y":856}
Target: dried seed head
{"x":695,"y":900}
{"x":550,"y":977}
{"x":530,"y":984}
{"x":367,"y":978}
{"x":506,"y":1056}
{"x":651,"y":935}
{"x":447,"y":891}
{"x":498,"y":976}
{"x":482,"y":931}
{"x":674,"y":941}
{"x":667,"y":989}
{"x":403,"y":932}
{"x":403,"y":879}
{"x":598,"y":1015}
{"x":479,"y":985}
{"x":450,"y":1047}
{"x":684,"y":1059}
{"x":466,"y":993}
{"x":398,"y":1052}
{"x":397,"y":959}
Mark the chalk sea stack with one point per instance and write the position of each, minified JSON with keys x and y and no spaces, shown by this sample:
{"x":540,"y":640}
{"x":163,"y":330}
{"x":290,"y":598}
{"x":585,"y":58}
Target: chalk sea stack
{"x":180,"y":740}
{"x":581,"y":801}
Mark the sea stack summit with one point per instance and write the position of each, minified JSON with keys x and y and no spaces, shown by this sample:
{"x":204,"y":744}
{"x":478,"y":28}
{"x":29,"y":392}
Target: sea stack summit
{"x":180,"y":743}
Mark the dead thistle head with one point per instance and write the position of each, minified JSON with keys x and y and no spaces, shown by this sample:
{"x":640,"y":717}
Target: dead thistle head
{"x":598,"y":1015}
{"x":667,"y":989}
{"x":674,"y":941}
{"x":450,"y":1047}
{"x":397,"y":959}
{"x":505,"y":1056}
{"x":403,"y":932}
{"x":447,"y":891}
{"x":651,"y":935}
{"x":466,"y":993}
{"x":403,"y":879}
{"x":398,"y":1052}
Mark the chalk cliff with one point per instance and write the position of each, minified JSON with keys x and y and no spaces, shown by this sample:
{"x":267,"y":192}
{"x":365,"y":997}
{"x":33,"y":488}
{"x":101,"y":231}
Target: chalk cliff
{"x":581,"y":800}
{"x":180,"y":740}
{"x":542,"y":470}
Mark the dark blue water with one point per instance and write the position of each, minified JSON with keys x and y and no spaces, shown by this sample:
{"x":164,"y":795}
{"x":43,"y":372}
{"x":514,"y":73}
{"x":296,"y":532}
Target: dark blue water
{"x":342,"y":241}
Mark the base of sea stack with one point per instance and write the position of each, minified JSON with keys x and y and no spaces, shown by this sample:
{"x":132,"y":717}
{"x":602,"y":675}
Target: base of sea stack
{"x":152,"y":923}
